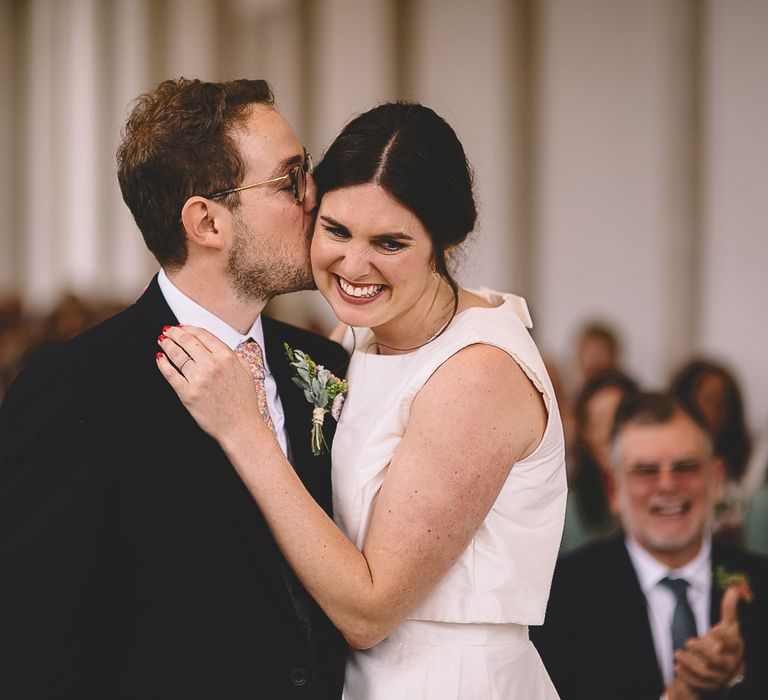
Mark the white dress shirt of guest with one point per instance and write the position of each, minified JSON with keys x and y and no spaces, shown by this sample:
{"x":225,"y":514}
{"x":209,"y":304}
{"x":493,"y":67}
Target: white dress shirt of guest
{"x":661,"y":600}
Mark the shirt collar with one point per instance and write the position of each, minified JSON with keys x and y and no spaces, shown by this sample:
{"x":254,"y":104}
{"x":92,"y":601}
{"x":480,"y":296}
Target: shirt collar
{"x":650,"y":570}
{"x":189,"y":313}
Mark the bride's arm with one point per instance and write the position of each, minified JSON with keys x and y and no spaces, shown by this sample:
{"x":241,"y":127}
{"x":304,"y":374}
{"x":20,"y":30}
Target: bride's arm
{"x":466,"y":429}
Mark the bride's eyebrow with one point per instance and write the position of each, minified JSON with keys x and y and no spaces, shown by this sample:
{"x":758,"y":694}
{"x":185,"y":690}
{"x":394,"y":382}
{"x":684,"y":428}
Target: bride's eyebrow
{"x":394,"y":235}
{"x":336,"y":224}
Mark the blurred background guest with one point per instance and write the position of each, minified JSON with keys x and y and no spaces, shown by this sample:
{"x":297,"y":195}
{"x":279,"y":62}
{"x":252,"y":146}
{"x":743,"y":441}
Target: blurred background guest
{"x":24,"y":334}
{"x":644,"y":615}
{"x":598,"y":350}
{"x":712,"y":390}
{"x":588,"y":514}
{"x":756,"y":522}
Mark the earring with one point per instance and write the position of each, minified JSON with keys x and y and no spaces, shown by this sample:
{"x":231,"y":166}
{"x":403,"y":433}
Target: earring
{"x":435,"y":275}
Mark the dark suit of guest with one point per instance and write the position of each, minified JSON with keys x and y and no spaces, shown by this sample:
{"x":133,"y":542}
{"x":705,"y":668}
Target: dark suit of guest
{"x":133,"y":562}
{"x":596,"y":641}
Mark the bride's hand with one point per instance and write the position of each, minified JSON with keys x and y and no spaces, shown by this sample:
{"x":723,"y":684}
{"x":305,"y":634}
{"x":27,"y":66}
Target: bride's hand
{"x":211,"y":381}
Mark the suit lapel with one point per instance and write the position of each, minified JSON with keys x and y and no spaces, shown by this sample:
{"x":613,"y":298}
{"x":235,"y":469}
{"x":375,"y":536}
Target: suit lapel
{"x":719,"y":558}
{"x":629,"y":604}
{"x":152,"y":313}
{"x":314,"y":471}
{"x":298,"y":411}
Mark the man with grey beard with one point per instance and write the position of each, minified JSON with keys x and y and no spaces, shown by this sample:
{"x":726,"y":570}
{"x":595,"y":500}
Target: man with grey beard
{"x":133,"y":561}
{"x":650,"y":614}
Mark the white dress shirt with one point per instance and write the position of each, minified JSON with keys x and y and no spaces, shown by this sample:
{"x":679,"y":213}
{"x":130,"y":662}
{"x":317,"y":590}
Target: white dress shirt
{"x":661,"y":600}
{"x":190,"y":313}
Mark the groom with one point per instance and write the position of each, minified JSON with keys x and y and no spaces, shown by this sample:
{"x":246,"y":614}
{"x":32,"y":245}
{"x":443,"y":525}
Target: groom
{"x":133,"y":563}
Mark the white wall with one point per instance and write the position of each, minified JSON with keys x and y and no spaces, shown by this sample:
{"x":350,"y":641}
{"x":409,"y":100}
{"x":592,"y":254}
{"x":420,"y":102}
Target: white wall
{"x":466,"y":80}
{"x":619,"y":145}
{"x":735,"y":266}
{"x":605,"y":166}
{"x":7,"y":273}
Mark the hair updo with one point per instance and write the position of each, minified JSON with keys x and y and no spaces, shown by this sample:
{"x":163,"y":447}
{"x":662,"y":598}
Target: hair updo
{"x":416,"y":157}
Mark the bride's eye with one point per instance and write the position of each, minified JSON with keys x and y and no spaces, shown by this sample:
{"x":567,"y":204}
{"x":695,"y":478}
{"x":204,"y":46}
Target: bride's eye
{"x":336,"y":232}
{"x":390,"y":245}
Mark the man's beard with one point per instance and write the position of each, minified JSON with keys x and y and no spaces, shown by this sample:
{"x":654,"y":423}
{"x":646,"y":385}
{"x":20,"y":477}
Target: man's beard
{"x":255,"y":279}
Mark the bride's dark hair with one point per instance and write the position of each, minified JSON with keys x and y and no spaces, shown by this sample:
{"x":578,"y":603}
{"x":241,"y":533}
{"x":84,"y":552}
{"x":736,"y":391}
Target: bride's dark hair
{"x":413,"y":154}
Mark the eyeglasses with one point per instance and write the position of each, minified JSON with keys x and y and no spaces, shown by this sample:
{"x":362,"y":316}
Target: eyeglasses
{"x":651,"y":471}
{"x":297,"y":175}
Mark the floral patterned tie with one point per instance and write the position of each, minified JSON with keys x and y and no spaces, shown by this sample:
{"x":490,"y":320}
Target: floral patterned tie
{"x":250,"y":351}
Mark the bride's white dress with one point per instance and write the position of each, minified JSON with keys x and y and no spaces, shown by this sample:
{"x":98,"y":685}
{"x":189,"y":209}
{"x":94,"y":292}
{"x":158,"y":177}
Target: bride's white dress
{"x":469,"y":638}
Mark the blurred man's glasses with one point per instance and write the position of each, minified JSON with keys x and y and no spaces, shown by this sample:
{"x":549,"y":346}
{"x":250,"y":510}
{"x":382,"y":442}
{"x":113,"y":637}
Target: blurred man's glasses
{"x":297,"y":176}
{"x":652,"y":471}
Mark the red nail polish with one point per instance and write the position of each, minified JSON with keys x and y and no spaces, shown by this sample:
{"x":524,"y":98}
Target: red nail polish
{"x":161,"y":337}
{"x":165,"y":328}
{"x":158,"y":355}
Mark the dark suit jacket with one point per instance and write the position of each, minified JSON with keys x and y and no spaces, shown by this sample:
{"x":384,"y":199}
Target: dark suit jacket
{"x":133,"y":562}
{"x":596,"y":641}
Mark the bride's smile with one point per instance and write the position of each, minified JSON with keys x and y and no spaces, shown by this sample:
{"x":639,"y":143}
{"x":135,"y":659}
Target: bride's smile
{"x":373,"y":261}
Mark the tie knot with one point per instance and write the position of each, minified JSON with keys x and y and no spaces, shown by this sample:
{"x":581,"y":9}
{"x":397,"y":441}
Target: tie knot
{"x":678,"y":586}
{"x":251,"y":352}
{"x":248,"y":344}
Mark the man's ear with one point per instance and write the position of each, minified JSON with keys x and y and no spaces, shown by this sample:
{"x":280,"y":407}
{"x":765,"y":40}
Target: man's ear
{"x":203,"y":219}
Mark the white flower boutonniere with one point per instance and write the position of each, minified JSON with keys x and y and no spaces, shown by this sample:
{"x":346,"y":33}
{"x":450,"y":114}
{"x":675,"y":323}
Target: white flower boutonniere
{"x":323,"y":390}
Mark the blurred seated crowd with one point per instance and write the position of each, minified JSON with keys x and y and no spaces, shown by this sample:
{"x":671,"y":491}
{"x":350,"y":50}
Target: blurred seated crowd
{"x":629,"y":466}
{"x":661,"y":587}
{"x":25,"y":335}
{"x":741,"y":514}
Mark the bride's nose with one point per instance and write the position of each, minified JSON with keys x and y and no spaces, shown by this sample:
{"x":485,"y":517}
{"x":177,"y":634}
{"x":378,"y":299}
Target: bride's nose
{"x":355,"y":264}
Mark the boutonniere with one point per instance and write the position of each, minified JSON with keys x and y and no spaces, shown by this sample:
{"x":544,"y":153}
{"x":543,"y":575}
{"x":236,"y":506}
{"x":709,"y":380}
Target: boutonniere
{"x":325,"y":391}
{"x":738,"y":579}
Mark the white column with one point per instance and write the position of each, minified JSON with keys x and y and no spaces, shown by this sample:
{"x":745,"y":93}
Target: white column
{"x":130,"y":264}
{"x":8,"y":183}
{"x":735,"y":273}
{"x":272,"y":33}
{"x":462,"y":68}
{"x":39,"y":226}
{"x":354,"y":63}
{"x":609,"y":182}
{"x":190,"y":39}
{"x":76,"y":123}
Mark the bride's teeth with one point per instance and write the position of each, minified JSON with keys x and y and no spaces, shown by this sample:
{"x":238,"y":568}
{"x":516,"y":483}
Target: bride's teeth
{"x":353,"y":291}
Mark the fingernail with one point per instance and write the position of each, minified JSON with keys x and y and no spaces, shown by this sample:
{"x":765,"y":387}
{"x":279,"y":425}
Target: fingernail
{"x":165,"y":328}
{"x":159,"y":355}
{"x":161,"y":337}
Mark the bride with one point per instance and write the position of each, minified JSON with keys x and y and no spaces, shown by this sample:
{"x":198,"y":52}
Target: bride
{"x":448,"y":462}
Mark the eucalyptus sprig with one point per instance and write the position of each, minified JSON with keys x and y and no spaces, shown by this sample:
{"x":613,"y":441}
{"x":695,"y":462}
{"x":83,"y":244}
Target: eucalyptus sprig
{"x":325,"y":391}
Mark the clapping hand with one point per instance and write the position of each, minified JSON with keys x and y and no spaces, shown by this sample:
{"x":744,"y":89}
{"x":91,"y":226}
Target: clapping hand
{"x":712,"y":662}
